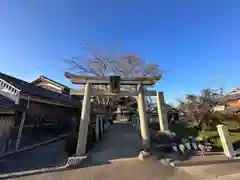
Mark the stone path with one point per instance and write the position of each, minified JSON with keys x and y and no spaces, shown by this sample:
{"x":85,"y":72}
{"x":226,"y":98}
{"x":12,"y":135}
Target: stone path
{"x":115,"y":158}
{"x":120,"y":142}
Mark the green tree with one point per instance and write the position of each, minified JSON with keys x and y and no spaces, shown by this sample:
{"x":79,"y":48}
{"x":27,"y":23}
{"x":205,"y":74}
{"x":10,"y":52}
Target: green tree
{"x":200,"y":108}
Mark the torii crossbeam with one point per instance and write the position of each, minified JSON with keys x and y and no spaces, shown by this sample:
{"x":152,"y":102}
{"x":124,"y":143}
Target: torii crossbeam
{"x":88,"y":81}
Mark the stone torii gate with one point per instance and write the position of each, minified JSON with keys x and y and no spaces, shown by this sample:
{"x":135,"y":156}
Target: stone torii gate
{"x":88,"y":81}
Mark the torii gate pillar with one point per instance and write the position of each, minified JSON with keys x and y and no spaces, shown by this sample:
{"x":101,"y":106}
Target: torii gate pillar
{"x":162,"y":114}
{"x":143,"y":119}
{"x":85,"y":117}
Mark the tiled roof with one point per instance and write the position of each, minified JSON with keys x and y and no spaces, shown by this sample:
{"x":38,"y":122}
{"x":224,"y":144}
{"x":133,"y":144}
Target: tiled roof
{"x":50,"y":80}
{"x":39,"y":91}
{"x":5,"y":102}
{"x":230,"y":96}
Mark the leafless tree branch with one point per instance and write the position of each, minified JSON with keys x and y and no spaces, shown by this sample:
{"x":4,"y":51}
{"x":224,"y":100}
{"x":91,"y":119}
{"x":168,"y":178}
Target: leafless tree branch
{"x":126,"y":65}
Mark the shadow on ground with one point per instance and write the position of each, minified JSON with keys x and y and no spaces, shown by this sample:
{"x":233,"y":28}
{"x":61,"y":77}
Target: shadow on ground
{"x":45,"y":156}
{"x":119,"y":143}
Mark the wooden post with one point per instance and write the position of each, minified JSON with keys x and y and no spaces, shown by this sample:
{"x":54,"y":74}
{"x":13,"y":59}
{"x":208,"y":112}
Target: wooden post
{"x":226,"y":142}
{"x":137,"y":124}
{"x":143,"y":119}
{"x":85,"y":116}
{"x":162,"y":116}
{"x":101,"y":127}
{"x":97,"y":129}
{"x":134,"y":122}
{"x":22,"y":125}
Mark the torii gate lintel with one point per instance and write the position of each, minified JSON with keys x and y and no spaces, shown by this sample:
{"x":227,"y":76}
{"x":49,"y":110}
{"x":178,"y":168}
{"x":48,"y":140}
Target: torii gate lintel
{"x":88,"y":81}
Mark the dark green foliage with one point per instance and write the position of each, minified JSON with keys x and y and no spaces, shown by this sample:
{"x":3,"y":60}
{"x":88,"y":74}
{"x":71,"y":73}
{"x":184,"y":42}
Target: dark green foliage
{"x":210,"y":121}
{"x":154,"y":126}
{"x":71,"y":141}
{"x":233,"y":118}
{"x":182,"y":130}
{"x":71,"y":144}
{"x":162,"y":137}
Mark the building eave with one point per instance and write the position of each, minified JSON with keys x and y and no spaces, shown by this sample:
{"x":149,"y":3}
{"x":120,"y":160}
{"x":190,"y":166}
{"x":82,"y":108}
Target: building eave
{"x":25,"y":96}
{"x":46,"y":79}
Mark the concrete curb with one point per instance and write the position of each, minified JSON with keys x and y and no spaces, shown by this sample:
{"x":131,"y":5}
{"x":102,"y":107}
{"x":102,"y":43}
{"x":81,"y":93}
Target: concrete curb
{"x":71,"y":163}
{"x":228,"y":176}
{"x":31,"y":172}
{"x":75,"y":161}
{"x":143,"y":155}
{"x":166,"y":162}
{"x":34,"y":146}
{"x":173,"y":163}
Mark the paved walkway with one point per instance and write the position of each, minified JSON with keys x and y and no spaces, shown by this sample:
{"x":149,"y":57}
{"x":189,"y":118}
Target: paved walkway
{"x":120,"y":142}
{"x":115,"y":158}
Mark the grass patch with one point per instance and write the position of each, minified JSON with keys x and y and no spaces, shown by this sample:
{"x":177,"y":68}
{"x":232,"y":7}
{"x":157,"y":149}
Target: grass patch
{"x":214,"y":137}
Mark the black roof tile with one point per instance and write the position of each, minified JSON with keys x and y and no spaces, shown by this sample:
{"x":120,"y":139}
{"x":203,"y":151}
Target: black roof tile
{"x":39,"y":91}
{"x":50,"y":80}
{"x":5,"y":102}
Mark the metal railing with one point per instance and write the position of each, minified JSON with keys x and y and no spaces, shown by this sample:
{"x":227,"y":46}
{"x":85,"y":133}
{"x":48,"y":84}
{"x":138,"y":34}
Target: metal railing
{"x":9,"y":91}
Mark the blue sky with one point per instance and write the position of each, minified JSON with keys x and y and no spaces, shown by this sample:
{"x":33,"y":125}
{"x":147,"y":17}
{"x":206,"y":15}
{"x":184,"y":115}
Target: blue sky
{"x":196,"y":42}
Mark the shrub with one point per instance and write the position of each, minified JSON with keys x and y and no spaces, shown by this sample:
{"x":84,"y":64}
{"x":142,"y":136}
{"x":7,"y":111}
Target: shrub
{"x":90,"y":138}
{"x":154,"y":126}
{"x":182,"y":130}
{"x":71,"y":144}
{"x":110,"y":121}
{"x":71,"y":141}
{"x":219,"y":115}
{"x":163,"y":137}
{"x":210,"y":121}
{"x":233,"y":117}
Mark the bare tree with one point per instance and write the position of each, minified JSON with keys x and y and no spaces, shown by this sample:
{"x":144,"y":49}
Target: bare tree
{"x":97,"y":64}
